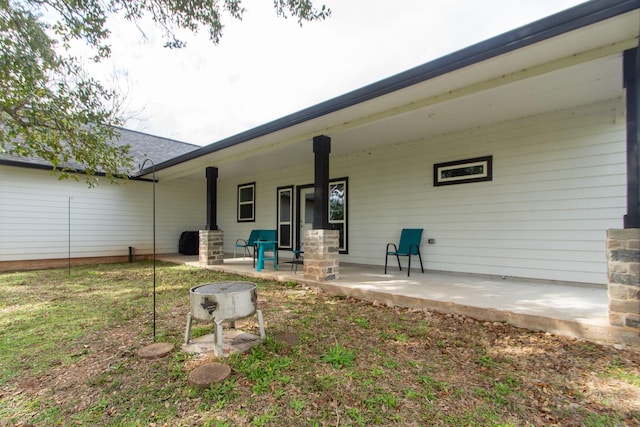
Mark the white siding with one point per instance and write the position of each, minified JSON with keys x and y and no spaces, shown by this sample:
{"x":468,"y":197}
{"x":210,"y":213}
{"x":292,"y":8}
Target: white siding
{"x":266,"y":198}
{"x":559,"y":182}
{"x":39,"y":221}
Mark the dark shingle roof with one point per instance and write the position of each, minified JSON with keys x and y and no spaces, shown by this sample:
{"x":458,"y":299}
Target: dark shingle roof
{"x":142,"y":146}
{"x":158,"y":149}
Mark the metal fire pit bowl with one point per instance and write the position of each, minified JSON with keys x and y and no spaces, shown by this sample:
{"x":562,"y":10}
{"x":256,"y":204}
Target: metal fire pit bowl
{"x":222,"y":302}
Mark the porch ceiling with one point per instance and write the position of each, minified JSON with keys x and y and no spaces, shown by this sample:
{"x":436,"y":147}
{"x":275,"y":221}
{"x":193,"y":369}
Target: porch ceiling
{"x":576,"y":68}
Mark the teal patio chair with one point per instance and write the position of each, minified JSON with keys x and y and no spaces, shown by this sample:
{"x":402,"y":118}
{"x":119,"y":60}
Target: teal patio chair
{"x":409,"y":245}
{"x":246,"y":244}
{"x":267,"y":242}
{"x":252,"y":242}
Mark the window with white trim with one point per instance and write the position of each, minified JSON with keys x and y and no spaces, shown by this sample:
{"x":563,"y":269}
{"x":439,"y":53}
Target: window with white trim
{"x":247,"y":202}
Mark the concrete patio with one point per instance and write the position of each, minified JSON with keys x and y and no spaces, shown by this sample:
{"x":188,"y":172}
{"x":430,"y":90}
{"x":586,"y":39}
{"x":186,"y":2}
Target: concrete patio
{"x":558,"y":308}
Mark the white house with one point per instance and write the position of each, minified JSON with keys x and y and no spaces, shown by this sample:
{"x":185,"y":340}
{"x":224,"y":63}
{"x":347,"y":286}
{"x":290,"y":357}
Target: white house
{"x":48,"y":222}
{"x":512,"y":154}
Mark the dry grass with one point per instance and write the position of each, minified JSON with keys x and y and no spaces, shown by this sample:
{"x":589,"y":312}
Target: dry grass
{"x":68,"y":356}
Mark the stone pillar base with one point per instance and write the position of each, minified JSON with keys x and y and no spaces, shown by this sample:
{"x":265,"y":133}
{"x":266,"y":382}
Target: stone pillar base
{"x":321,"y":255}
{"x":210,"y":250}
{"x":623,"y":264}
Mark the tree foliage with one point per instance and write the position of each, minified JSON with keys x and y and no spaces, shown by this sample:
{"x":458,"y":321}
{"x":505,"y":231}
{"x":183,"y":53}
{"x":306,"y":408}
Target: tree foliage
{"x":51,"y":108}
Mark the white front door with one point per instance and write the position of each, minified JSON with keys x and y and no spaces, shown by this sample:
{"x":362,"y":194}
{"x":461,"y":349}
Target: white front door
{"x":306,"y":201}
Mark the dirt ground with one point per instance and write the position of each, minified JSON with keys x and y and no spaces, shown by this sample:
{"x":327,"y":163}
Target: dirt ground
{"x":436,"y":369}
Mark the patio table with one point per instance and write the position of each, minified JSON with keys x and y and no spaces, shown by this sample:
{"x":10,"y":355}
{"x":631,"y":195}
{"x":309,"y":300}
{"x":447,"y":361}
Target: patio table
{"x":267,"y":245}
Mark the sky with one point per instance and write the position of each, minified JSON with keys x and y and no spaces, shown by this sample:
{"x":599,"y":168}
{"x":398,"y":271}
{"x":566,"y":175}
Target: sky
{"x":266,"y":67}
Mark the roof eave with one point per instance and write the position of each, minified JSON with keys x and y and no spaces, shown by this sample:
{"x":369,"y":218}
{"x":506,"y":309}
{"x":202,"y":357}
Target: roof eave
{"x":569,"y":20}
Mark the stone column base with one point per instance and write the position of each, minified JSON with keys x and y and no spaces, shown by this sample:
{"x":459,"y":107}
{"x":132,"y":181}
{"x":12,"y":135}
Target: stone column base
{"x":623,"y":264}
{"x":321,"y":250}
{"x":210,"y":250}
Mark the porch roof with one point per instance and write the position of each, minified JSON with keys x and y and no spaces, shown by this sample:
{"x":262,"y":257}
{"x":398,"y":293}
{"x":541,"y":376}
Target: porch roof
{"x":568,"y":59}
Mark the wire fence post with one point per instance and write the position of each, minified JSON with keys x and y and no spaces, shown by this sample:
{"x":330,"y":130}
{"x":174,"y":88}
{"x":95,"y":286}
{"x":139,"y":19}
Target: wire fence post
{"x":153,"y":166}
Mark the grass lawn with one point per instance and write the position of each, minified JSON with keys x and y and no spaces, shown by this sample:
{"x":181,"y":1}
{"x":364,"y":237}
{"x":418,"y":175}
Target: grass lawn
{"x":68,"y":346}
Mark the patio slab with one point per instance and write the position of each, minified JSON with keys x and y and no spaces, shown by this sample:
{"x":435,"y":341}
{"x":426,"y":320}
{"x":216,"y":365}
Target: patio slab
{"x":233,"y":341}
{"x":559,"y":308}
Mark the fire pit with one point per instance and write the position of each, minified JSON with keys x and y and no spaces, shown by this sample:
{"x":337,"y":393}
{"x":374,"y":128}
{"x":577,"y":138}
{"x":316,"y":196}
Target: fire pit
{"x":222,"y":302}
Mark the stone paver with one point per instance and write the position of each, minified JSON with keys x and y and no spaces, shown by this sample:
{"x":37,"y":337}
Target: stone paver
{"x":156,"y":350}
{"x":209,"y":373}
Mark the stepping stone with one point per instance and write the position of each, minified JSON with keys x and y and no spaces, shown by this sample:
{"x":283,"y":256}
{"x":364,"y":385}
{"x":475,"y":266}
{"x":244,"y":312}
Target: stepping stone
{"x":209,"y":373}
{"x":233,"y":341}
{"x":155,"y":350}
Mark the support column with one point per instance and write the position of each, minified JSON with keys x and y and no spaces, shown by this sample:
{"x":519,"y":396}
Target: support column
{"x":631,"y":75}
{"x":623,"y":263}
{"x":212,"y":198}
{"x":321,"y":245}
{"x":321,"y":255}
{"x":210,"y":250}
{"x":321,"y":149}
{"x":623,"y":246}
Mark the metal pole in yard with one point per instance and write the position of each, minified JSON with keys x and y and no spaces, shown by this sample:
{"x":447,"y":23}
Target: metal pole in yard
{"x":69,"y":234}
{"x":153,"y":165}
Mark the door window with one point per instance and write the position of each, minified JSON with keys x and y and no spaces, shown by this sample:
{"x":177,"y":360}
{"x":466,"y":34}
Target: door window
{"x":285,"y":217}
{"x":338,"y":210}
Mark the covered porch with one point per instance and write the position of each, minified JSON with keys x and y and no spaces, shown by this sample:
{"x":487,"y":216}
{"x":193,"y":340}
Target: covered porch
{"x":549,"y":111}
{"x":555,"y":307}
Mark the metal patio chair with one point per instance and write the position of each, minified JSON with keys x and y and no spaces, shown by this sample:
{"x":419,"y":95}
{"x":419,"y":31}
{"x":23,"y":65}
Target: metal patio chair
{"x":409,"y":245}
{"x":246,"y":244}
{"x":298,"y":257}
